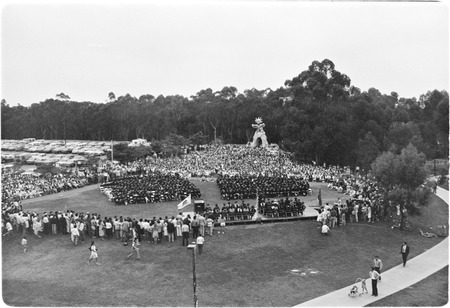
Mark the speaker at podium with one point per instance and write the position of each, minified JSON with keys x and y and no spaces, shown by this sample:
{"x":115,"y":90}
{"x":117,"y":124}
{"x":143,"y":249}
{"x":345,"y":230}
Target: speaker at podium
{"x":199,"y":206}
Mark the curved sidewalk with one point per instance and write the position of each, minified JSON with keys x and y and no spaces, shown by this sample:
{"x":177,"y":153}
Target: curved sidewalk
{"x":395,"y":279}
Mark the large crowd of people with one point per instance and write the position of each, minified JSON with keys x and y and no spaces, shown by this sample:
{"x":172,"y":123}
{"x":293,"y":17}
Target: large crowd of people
{"x":20,"y":186}
{"x":241,"y":172}
{"x":248,"y":186}
{"x":79,"y":226}
{"x":149,"y":188}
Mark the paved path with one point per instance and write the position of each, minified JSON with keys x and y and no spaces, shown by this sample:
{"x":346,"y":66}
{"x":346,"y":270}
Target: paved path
{"x":395,"y":279}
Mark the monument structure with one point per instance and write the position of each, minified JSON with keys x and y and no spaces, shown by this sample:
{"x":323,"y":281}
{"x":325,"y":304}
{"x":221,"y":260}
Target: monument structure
{"x":259,"y":134}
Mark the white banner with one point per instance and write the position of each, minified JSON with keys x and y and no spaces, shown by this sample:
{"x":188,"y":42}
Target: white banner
{"x":185,"y":202}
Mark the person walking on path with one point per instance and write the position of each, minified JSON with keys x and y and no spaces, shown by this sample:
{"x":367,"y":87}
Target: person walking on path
{"x":134,"y":247}
{"x":94,"y":254}
{"x":404,"y":250}
{"x":200,"y":242}
{"x":378,"y":265}
{"x":374,"y":276}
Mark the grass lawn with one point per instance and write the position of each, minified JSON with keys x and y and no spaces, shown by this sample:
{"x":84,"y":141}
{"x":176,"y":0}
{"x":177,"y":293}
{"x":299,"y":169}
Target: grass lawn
{"x":249,"y":265}
{"x":89,"y":199}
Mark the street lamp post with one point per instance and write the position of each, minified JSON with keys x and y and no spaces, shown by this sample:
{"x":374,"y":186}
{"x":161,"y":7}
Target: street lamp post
{"x":193,"y":247}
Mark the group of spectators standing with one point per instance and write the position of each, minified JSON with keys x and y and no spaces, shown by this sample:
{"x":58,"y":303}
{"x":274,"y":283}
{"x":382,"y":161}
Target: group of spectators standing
{"x":82,"y":225}
{"x":354,"y":210}
{"x":149,"y":188}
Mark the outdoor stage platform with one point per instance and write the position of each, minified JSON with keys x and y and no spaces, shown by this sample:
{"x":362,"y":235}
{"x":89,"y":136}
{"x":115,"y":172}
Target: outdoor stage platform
{"x":310,"y":213}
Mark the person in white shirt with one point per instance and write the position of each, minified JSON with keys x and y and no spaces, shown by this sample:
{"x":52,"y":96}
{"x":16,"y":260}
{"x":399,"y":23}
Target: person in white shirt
{"x":185,"y":232}
{"x":210,"y":226}
{"x":24,"y":244}
{"x":37,"y":226}
{"x":325,"y":229}
{"x":378,"y":265}
{"x":202,"y":222}
{"x":134,"y":247}
{"x":74,"y":233}
{"x":94,"y":254}
{"x":374,"y":276}
{"x":81,"y":230}
{"x":9,"y":229}
{"x":200,"y":242}
{"x":117,"y":228}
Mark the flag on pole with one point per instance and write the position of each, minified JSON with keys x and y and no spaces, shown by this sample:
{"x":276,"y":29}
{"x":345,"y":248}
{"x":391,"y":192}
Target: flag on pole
{"x":187,"y":201}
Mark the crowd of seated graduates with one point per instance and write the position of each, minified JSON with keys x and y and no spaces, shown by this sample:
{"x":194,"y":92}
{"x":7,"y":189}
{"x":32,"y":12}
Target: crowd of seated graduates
{"x":231,"y":211}
{"x":247,"y":186}
{"x":150,"y":188}
{"x":281,"y":207}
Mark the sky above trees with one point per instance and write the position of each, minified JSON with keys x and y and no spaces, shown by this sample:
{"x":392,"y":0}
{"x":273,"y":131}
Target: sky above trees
{"x":87,"y":50}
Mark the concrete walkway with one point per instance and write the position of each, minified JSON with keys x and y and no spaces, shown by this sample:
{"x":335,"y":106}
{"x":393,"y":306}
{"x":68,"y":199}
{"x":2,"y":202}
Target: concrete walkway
{"x":395,"y":279}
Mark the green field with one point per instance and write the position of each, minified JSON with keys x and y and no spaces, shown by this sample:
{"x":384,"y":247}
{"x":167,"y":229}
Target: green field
{"x":249,"y":265}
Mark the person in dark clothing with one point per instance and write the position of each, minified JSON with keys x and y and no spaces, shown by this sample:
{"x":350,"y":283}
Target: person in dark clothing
{"x":171,"y":230}
{"x":404,"y":250}
{"x":63,"y":225}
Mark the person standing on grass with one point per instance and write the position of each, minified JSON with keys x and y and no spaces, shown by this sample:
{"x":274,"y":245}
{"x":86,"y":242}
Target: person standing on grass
{"x":155,"y":233}
{"x":24,"y":244}
{"x":171,"y":230}
{"x":185,"y":232}
{"x":93,"y":226}
{"x":210,"y":225}
{"x":159,"y":226}
{"x":200,"y":242}
{"x":74,"y":234}
{"x":404,"y":250}
{"x":134,"y":247}
{"x":165,"y":230}
{"x":94,"y":254}
{"x":195,"y":224}
{"x":37,"y":226}
{"x":101,"y":229}
{"x":202,"y":223}
{"x":178,"y":226}
{"x":109,"y":228}
{"x":117,"y":228}
{"x":374,"y":276}
{"x":378,"y":265}
{"x":125,"y":229}
{"x":9,"y":229}
{"x":81,"y":226}
{"x":222,"y":222}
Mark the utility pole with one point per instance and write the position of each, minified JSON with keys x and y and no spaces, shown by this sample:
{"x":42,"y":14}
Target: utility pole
{"x":194,"y":274}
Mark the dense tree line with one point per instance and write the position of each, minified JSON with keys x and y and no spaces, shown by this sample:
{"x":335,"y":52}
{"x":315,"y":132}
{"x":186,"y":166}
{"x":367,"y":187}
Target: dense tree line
{"x":318,"y":115}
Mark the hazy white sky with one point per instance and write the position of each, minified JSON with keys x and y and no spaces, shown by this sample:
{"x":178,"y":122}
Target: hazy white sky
{"x":87,"y":50}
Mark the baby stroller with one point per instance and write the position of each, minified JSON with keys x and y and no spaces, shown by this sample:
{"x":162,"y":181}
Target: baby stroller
{"x":354,"y":290}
